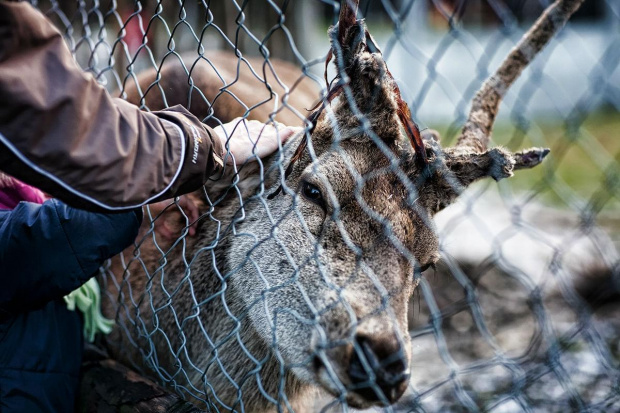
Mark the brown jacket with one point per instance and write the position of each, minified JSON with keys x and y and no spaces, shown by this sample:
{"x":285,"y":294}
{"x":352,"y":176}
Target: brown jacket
{"x":61,"y":132}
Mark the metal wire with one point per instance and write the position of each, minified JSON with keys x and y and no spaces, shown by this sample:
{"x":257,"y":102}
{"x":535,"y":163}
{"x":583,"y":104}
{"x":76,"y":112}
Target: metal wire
{"x":275,"y":298}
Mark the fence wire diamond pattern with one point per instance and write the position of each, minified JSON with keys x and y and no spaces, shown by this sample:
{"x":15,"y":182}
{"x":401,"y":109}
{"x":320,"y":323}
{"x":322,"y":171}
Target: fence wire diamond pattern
{"x":282,"y":291}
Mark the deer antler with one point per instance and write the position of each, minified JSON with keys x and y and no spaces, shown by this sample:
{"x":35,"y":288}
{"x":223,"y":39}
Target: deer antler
{"x":477,"y":130}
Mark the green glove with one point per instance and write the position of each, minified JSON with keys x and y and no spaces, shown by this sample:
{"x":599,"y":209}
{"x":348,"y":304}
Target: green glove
{"x":86,"y":299}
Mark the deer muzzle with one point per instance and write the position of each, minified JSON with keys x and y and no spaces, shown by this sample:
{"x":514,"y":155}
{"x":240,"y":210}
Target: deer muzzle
{"x":378,"y":369}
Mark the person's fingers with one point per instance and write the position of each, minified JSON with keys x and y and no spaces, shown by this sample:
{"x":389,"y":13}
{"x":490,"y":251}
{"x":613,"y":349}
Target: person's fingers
{"x":164,"y":211}
{"x":227,"y":130}
{"x":192,"y":212}
{"x":249,"y":139}
{"x":290,"y":131}
{"x":163,"y":229}
{"x":270,"y":136}
{"x":190,"y":208}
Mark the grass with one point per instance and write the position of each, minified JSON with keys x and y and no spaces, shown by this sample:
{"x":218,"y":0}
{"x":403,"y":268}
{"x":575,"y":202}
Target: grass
{"x":583,"y":169}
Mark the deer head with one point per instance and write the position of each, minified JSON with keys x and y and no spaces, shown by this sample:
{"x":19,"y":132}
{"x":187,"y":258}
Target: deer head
{"x":327,"y":264}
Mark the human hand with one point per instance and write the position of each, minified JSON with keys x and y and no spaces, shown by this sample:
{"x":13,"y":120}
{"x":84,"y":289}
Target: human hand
{"x":167,"y":215}
{"x":250,"y":139}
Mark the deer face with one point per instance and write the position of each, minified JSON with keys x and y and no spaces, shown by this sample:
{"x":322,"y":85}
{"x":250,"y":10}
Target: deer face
{"x":328,"y":266}
{"x":329,"y":286}
{"x":366,"y":238}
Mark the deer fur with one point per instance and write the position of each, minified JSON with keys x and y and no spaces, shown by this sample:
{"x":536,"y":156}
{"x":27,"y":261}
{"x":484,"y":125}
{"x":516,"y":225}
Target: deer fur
{"x":221,"y":83}
{"x":268,"y":301}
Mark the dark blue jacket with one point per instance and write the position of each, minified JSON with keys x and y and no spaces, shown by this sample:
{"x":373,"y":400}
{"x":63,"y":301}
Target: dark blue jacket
{"x":47,"y":251}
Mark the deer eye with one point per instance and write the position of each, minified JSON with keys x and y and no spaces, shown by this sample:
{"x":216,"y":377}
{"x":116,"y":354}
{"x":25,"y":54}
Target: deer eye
{"x":313,"y":194}
{"x":426,"y":267}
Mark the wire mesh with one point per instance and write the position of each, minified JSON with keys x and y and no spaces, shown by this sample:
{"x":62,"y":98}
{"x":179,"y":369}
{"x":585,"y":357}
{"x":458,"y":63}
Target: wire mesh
{"x":276,"y":297}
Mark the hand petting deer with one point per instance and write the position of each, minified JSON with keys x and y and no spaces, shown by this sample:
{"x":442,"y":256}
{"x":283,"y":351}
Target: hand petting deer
{"x":301,"y":272}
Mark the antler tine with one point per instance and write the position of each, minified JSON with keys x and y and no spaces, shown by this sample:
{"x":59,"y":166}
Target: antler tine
{"x":477,"y":130}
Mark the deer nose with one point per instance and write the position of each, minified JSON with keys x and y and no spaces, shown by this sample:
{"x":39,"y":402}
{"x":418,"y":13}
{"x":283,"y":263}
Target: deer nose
{"x":385,"y":368}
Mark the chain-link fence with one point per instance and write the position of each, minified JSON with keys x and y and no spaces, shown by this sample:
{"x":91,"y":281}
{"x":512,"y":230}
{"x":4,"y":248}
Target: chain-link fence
{"x":305,"y":270}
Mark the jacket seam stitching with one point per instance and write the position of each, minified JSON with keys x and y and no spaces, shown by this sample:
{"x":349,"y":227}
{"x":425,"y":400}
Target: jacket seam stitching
{"x":79,"y":194}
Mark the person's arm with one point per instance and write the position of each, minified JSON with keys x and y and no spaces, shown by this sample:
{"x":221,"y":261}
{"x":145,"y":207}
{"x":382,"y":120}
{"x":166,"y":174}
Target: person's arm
{"x":61,"y":131}
{"x":49,"y":250}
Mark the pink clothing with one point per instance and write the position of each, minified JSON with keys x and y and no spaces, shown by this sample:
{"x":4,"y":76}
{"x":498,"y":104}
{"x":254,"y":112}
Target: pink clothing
{"x":13,"y":191}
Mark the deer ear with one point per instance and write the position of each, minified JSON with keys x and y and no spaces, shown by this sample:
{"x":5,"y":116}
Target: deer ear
{"x":350,"y":45}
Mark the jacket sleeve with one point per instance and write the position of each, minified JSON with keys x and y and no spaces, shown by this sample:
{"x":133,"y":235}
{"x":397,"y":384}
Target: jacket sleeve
{"x":60,"y":130}
{"x":49,"y":250}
